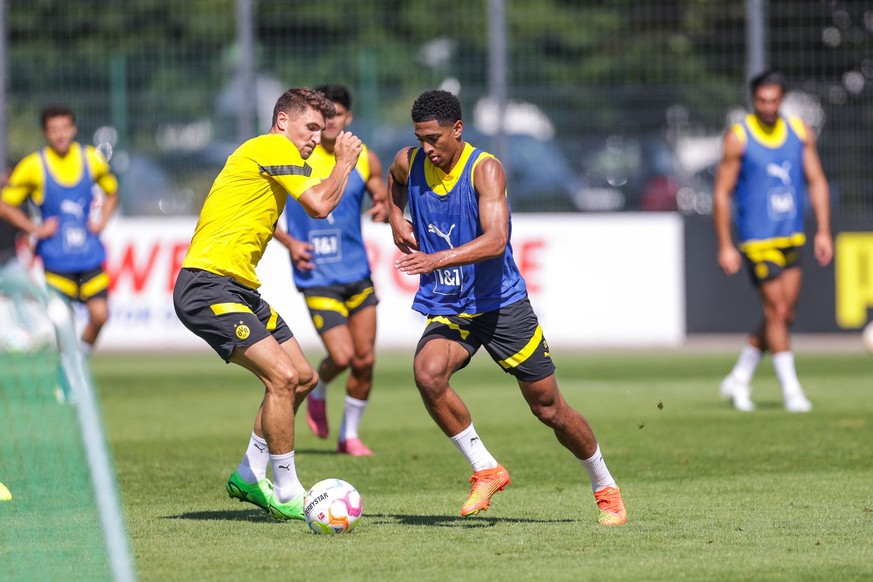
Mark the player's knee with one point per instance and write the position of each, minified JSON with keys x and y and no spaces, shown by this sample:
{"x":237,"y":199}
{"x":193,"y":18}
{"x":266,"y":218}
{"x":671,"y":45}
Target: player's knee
{"x":307,"y":382}
{"x":341,"y":359}
{"x":777,"y":311}
{"x":430,"y":376}
{"x":362,"y":364}
{"x":304,"y":388}
{"x":547,"y":413}
{"x":99,"y":318}
{"x":284,"y":381}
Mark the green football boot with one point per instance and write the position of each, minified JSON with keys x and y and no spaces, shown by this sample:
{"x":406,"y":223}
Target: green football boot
{"x":258,"y":493}
{"x":289,"y":510}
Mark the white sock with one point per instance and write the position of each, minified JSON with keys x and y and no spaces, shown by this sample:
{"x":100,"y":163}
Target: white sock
{"x":352,"y":413}
{"x":320,"y":391}
{"x":286,"y":485}
{"x":471,"y":446}
{"x":784,"y":364}
{"x":597,"y":471}
{"x":747,"y":363}
{"x":253,"y":467}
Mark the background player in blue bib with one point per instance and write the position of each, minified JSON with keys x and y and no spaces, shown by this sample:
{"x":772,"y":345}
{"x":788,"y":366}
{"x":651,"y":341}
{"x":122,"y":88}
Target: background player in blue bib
{"x":458,"y":244}
{"x":331,"y":269}
{"x":769,"y":167}
{"x":60,"y":179}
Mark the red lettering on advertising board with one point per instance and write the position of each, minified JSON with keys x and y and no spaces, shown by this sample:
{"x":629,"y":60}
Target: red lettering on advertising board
{"x":177,"y":256}
{"x":128,"y":267}
{"x":529,"y":264}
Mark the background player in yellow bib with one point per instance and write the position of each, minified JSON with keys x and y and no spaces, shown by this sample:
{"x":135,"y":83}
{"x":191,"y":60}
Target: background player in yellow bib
{"x":59,"y":179}
{"x":769,"y":167}
{"x":216,"y":293}
{"x":331,"y":269}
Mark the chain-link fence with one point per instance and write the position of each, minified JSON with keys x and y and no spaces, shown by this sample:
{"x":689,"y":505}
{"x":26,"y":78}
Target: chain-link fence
{"x":611,"y":106}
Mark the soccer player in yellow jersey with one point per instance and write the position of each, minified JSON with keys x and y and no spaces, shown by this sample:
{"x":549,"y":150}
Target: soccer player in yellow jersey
{"x":59,"y":180}
{"x":216,"y":293}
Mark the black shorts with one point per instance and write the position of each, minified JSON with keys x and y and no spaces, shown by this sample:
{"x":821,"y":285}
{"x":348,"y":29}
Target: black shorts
{"x":224,"y":312}
{"x":331,"y":305}
{"x":511,"y":335}
{"x":767,"y":264}
{"x":81,"y":286}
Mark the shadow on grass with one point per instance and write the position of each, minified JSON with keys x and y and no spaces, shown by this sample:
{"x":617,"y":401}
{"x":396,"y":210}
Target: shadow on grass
{"x":451,"y":520}
{"x":374,"y":518}
{"x":317,"y":451}
{"x":759,"y":405}
{"x":244,"y":515}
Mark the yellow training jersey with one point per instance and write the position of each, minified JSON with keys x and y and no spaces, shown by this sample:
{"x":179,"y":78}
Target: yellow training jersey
{"x":28,"y":177}
{"x":243,"y":206}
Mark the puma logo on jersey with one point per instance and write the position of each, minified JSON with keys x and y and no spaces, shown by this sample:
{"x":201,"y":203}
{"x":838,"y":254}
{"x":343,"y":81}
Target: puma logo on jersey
{"x":76,"y":208}
{"x":443,"y":235}
{"x":780,"y":172}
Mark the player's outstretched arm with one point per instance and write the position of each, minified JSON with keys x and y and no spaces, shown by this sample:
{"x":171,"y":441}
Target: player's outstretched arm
{"x":321,"y":199}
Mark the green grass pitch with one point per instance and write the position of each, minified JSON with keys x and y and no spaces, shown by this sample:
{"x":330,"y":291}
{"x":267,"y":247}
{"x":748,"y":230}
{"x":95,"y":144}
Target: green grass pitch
{"x":712,"y":494}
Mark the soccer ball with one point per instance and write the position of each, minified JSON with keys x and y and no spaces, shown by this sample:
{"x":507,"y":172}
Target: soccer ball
{"x":332,"y":506}
{"x":867,"y":337}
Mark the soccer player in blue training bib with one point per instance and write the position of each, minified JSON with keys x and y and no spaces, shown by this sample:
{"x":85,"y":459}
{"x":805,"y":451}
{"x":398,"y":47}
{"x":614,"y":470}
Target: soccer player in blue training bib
{"x":216,"y":293}
{"x":470,"y":289}
{"x":331,"y":269}
{"x":59,"y":179}
{"x":769,"y":167}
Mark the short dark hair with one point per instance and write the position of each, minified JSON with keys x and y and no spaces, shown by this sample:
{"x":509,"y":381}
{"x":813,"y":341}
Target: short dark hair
{"x":299,"y":99}
{"x":768,"y":77}
{"x":52,"y":111}
{"x":438,"y":105}
{"x":338,"y":94}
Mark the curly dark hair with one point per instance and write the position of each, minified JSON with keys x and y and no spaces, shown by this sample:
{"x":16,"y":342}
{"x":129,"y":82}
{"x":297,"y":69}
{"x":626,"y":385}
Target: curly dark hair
{"x":437,"y":105}
{"x":299,"y":99}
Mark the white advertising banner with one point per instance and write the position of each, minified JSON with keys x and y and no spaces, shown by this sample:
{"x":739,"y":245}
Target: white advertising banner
{"x":593,"y":280}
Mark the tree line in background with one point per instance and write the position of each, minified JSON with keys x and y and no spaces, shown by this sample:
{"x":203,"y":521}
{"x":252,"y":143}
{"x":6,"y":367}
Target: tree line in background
{"x":595,"y":67}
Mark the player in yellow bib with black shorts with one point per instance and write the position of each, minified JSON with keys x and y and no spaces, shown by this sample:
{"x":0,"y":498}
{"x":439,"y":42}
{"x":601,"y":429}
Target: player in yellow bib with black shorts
{"x":216,"y":294}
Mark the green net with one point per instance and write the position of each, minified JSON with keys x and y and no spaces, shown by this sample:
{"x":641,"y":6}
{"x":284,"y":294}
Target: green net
{"x":53,"y":527}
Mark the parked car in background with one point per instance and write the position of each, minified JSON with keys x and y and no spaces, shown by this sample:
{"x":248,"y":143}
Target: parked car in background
{"x":633,"y":174}
{"x":147,"y":188}
{"x":592,"y":174}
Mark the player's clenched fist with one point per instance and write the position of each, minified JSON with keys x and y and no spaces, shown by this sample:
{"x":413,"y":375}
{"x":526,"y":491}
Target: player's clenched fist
{"x":348,"y":148}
